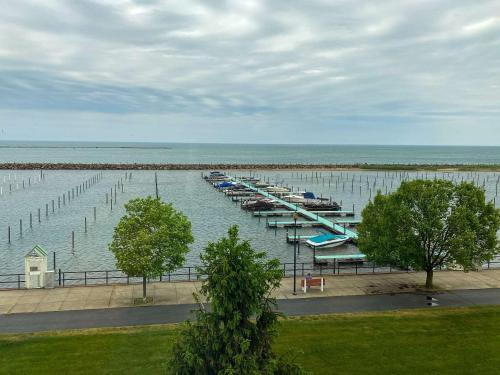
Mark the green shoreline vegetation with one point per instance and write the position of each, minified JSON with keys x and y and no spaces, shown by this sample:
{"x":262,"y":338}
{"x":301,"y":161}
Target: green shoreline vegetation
{"x":437,"y":340}
{"x":226,"y":166}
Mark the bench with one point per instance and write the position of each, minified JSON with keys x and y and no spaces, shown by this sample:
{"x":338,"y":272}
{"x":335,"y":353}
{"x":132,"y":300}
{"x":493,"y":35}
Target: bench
{"x":312,"y":282}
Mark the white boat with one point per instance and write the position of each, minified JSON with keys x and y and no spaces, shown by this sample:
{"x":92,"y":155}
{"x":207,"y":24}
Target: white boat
{"x":300,"y":197}
{"x":276,"y":189}
{"x":327,"y":240}
{"x":261,"y":184}
{"x":294,"y":198}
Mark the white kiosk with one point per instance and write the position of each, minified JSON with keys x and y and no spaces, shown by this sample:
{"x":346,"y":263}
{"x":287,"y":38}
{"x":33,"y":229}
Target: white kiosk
{"x":35,"y":269}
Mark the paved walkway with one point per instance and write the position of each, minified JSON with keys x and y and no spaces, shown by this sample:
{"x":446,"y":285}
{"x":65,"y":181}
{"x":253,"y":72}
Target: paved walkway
{"x":133,"y":316}
{"x":180,"y":293}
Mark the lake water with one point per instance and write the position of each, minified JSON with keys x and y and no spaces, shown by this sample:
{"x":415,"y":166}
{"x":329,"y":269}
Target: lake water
{"x":210,"y":212}
{"x":78,"y":152}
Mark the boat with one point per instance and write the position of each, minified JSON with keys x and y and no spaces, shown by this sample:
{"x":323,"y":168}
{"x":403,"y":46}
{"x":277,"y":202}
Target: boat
{"x":261,"y":204}
{"x":215,"y":175}
{"x":321,"y":206}
{"x":294,"y":198}
{"x":327,"y":240}
{"x":300,"y":197}
{"x":224,"y":185}
{"x":276,"y":189}
{"x":261,"y":184}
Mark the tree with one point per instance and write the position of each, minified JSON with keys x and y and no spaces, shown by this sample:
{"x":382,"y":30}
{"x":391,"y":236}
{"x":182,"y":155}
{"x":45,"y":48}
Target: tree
{"x":235,"y":336}
{"x":151,"y":239}
{"x":428,"y":224}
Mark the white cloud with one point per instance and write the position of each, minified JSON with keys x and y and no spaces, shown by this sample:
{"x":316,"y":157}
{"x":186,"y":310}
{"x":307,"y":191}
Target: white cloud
{"x":483,"y":25}
{"x":321,"y":63}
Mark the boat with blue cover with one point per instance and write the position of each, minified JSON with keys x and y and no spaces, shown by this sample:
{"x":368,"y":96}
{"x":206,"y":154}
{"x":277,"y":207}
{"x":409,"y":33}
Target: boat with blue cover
{"x":327,"y":240}
{"x":225,"y":185}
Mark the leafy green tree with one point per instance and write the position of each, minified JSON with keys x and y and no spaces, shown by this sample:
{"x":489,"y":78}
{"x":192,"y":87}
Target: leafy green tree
{"x":151,"y":239}
{"x":427,"y":224}
{"x":235,"y":336}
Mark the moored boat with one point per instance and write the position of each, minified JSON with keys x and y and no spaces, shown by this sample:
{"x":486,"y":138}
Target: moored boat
{"x":260,"y":204}
{"x":327,"y":240}
{"x":322,"y":206}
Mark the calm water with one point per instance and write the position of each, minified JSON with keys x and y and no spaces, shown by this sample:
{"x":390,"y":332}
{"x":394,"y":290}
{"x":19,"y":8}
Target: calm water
{"x":72,"y":152}
{"x":210,"y":212}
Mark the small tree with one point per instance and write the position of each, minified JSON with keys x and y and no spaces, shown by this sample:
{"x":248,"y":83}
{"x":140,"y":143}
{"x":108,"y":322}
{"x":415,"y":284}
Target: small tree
{"x":428,"y":224}
{"x":235,"y":336}
{"x":151,"y":239}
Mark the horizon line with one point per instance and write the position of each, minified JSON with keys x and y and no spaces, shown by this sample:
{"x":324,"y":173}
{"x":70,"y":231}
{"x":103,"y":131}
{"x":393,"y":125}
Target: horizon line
{"x":245,"y":144}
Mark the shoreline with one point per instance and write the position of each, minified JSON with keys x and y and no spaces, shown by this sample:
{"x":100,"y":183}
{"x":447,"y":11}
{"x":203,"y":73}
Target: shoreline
{"x":226,"y":166}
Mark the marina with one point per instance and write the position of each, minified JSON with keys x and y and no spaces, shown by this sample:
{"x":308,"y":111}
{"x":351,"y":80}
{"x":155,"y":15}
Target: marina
{"x":77,"y":230}
{"x":267,"y":192}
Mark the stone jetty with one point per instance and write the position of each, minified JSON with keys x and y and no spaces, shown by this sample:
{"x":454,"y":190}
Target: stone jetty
{"x":200,"y":167}
{"x":229,"y":166}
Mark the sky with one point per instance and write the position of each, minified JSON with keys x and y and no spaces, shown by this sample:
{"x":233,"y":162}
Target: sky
{"x":281,"y":71}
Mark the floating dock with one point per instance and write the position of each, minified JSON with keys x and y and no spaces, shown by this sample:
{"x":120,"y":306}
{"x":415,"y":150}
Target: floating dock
{"x":298,"y":224}
{"x":290,"y":213}
{"x":348,"y":221}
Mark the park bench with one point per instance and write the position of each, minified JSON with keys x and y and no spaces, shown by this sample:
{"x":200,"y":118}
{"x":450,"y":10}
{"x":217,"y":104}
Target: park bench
{"x":312,"y":282}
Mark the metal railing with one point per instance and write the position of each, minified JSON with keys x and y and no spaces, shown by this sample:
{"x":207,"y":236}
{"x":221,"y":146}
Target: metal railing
{"x":12,"y":281}
{"x":109,"y":277}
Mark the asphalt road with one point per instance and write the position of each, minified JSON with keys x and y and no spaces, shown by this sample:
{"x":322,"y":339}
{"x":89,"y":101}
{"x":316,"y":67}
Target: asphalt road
{"x":129,"y":316}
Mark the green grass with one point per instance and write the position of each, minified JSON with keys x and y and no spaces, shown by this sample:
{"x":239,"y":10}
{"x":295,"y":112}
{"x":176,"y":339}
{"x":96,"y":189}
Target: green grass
{"x":437,"y":341}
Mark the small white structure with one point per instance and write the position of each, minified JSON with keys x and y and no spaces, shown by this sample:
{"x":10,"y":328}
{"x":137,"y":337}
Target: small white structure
{"x":35,"y":268}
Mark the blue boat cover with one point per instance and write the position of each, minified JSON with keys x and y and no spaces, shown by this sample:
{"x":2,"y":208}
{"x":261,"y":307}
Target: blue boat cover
{"x":309,"y":195}
{"x":326,"y":237}
{"x":224,"y":185}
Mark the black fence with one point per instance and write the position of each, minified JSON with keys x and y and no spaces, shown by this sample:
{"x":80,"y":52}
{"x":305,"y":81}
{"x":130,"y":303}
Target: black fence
{"x":109,"y":277}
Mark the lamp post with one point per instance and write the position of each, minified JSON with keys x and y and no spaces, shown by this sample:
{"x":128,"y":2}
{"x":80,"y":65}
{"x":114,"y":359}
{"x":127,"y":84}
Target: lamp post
{"x":295,"y":217}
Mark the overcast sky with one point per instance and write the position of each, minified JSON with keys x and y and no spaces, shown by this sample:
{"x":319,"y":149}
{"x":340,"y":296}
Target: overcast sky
{"x":281,"y":71}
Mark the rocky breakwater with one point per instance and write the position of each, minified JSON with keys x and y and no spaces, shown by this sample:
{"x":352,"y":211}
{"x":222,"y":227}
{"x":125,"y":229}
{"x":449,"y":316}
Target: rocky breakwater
{"x":187,"y":167}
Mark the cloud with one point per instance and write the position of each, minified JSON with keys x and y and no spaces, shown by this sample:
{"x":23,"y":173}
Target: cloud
{"x":417,"y":69}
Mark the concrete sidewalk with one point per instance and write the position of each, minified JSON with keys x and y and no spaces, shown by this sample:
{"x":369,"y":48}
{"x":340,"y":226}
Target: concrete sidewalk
{"x":164,"y":314}
{"x":175,"y":293}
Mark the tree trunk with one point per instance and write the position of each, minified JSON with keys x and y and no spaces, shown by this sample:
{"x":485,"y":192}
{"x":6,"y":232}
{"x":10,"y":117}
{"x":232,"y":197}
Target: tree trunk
{"x":144,"y":288}
{"x":428,"y":280}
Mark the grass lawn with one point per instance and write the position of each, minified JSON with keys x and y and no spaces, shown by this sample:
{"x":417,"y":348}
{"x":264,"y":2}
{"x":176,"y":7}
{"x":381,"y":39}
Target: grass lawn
{"x":437,"y":341}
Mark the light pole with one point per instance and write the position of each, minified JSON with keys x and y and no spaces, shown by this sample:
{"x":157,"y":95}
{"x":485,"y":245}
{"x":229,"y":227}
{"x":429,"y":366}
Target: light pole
{"x":295,"y":217}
